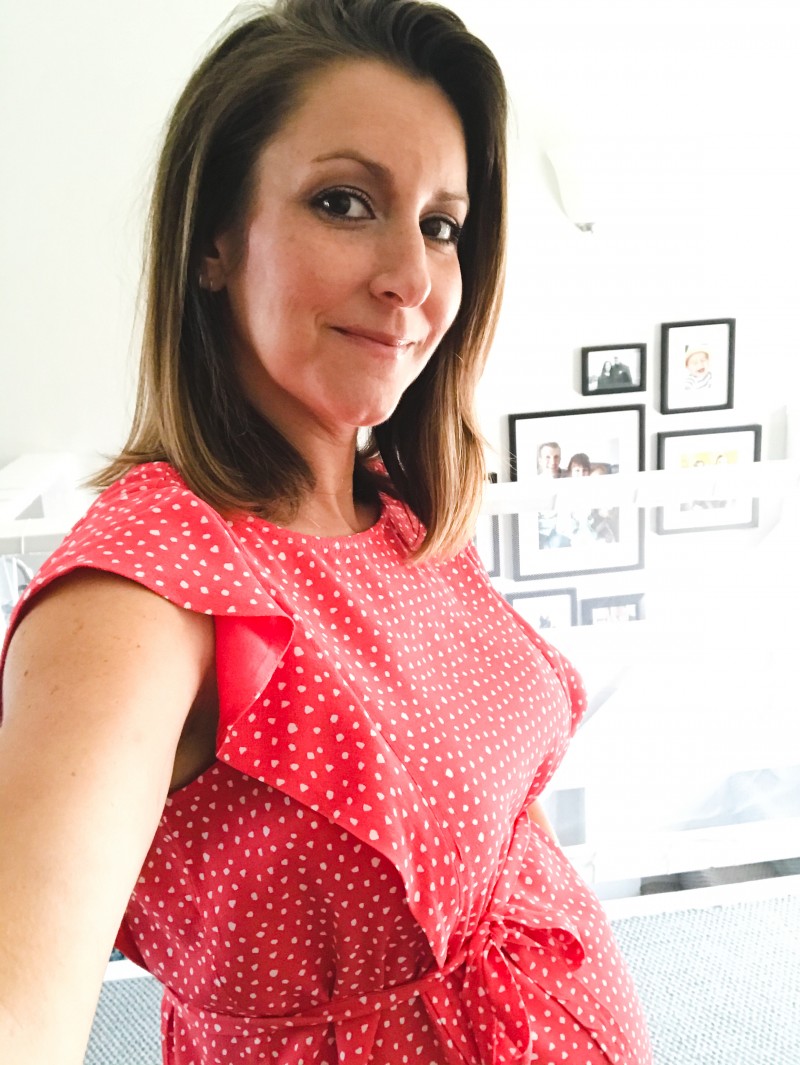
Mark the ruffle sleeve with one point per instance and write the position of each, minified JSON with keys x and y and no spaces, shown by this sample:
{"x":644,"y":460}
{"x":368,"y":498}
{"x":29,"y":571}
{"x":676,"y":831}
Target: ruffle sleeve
{"x":150,"y":528}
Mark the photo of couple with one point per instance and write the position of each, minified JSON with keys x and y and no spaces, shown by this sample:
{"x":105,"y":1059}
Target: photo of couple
{"x":613,"y":369}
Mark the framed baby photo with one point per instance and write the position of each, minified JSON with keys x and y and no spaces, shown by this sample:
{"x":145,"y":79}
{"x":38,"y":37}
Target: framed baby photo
{"x":575,"y":534}
{"x":612,"y":610}
{"x":547,"y":610}
{"x":613,"y":368}
{"x":709,"y":449}
{"x":487,"y":538}
{"x":697,"y":365}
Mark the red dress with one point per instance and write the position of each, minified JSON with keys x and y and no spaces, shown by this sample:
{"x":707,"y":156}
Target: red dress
{"x":355,"y":879}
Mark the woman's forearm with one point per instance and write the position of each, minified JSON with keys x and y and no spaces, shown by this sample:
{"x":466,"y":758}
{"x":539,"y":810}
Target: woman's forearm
{"x":540,"y":818}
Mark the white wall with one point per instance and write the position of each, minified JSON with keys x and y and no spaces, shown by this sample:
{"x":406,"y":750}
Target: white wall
{"x":685,"y":113}
{"x":687,"y":108}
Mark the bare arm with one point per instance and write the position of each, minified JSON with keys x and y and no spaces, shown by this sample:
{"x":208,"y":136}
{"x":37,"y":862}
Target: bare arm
{"x":540,"y":818}
{"x":100,"y":678}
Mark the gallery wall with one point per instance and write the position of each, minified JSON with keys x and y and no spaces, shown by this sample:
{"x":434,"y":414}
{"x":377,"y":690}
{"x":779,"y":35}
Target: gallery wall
{"x":672,"y":121}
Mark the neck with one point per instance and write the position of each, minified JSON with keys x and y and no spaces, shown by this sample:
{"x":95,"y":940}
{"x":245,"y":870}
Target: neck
{"x":332,"y":511}
{"x":330,"y":508}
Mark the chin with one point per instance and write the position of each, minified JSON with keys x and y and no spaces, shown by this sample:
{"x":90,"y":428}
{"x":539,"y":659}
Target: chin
{"x":374,"y":415}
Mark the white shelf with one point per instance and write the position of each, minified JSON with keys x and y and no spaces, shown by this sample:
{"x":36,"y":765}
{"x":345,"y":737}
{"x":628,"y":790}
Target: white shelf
{"x":646,"y":488}
{"x":702,"y":898}
{"x":621,"y":856}
{"x":49,"y":483}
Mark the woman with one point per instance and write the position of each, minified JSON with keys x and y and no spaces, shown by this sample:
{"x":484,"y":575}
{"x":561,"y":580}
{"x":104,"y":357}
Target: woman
{"x":606,"y":378}
{"x":579,"y":465}
{"x":266,"y":720}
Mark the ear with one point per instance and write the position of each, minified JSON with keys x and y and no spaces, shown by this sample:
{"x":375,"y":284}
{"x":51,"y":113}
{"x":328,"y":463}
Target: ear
{"x":215,"y":265}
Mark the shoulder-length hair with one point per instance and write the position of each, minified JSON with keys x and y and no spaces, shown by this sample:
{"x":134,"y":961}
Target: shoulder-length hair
{"x":190,"y":409}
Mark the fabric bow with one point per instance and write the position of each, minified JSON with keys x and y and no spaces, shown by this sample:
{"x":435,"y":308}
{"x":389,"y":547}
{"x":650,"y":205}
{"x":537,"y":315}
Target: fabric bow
{"x":503,"y":957}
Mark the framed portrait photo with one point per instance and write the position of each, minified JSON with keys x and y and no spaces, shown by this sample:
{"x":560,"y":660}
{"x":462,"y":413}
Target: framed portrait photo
{"x":612,"y":609}
{"x":567,"y":537}
{"x":697,"y":365}
{"x":708,"y":448}
{"x":547,"y":610}
{"x":613,"y":368}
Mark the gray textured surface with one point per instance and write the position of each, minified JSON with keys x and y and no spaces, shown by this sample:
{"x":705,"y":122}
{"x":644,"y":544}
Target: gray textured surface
{"x":719,"y":986}
{"x":126,"y":1025}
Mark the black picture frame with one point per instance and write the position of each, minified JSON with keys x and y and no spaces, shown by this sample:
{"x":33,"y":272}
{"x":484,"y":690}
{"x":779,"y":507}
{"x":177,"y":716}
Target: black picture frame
{"x":529,"y":605}
{"x":697,"y":363}
{"x":612,"y":609}
{"x":613,"y":368}
{"x":487,"y":538}
{"x":567,"y":540}
{"x":690,"y":448}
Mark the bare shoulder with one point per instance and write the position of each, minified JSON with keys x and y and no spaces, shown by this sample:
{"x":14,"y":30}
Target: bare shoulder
{"x":95,"y":629}
{"x":101,"y":674}
{"x":87,"y":600}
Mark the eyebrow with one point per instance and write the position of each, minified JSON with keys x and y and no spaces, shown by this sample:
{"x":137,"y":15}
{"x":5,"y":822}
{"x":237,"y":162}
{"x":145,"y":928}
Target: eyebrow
{"x":383,"y":173}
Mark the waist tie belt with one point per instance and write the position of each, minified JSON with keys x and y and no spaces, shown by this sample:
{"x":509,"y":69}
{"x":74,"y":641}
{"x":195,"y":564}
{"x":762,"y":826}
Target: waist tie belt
{"x":497,"y":961}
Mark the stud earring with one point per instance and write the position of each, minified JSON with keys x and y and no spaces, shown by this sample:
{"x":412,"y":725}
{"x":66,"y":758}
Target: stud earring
{"x":206,"y":282}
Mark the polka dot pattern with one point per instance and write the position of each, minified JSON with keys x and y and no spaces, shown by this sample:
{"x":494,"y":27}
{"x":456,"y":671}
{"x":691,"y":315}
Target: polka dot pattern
{"x":355,"y":879}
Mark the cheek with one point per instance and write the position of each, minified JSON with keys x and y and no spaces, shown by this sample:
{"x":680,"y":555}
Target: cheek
{"x":281,"y":269}
{"x":313,"y":282}
{"x":451,"y":293}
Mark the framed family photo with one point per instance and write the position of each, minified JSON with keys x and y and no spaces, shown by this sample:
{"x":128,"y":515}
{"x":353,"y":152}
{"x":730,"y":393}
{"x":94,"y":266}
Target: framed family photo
{"x":547,"y":610}
{"x":565,"y":537}
{"x":697,"y":365}
{"x":707,"y":448}
{"x":612,"y":609}
{"x":613,"y":368}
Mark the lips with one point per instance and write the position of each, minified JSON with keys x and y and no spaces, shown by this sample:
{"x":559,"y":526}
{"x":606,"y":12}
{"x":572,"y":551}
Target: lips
{"x":390,"y":341}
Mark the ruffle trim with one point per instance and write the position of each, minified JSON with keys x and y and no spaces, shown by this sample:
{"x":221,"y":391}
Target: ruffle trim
{"x":150,"y":528}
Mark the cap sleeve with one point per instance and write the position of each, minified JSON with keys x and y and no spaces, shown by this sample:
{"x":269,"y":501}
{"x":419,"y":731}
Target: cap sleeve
{"x":150,"y":528}
{"x":569,"y":679}
{"x":571,"y":682}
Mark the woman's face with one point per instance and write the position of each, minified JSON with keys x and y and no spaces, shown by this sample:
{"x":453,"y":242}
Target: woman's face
{"x":347,"y":277}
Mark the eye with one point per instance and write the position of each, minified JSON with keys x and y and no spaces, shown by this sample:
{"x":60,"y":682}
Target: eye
{"x":343,"y":203}
{"x":441,"y":229}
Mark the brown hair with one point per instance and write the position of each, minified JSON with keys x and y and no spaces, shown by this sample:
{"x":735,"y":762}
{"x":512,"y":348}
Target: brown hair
{"x":190,"y":408}
{"x":579,"y":459}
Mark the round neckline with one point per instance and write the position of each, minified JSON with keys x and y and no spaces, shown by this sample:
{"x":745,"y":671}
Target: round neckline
{"x":283,"y":532}
{"x":280,"y":532}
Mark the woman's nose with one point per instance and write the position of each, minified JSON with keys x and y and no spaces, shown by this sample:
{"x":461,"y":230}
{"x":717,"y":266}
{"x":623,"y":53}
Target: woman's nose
{"x":402,"y":272}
